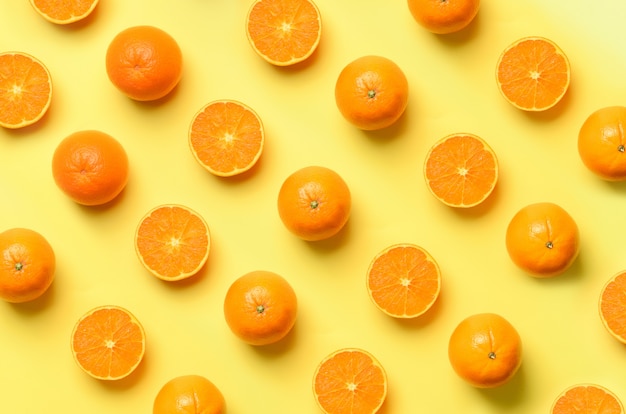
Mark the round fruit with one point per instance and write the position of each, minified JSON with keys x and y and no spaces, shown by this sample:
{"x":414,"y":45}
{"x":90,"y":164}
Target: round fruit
{"x":602,"y":143}
{"x":444,"y":16}
{"x":587,"y":399}
{"x":189,"y":394}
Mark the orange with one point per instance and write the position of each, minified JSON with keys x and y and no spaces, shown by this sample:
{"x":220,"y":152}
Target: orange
{"x":226,"y":137}
{"x":284,"y":32}
{"x":144,"y":62}
{"x":189,"y":394}
{"x":172,"y":242}
{"x":403,"y":280}
{"x":314,"y":203}
{"x":485,"y":350}
{"x":372,"y":92}
{"x":444,"y":16}
{"x":108,"y":342}
{"x":461,"y":170}
{"x":25,"y":89}
{"x":350,"y":381}
{"x":260,"y":307}
{"x":587,"y":399}
{"x":602,"y":143}
{"x":27,"y":266}
{"x":533,"y":74}
{"x":612,"y":306}
{"x":542,"y":239}
{"x":90,"y":167}
{"x":64,"y":11}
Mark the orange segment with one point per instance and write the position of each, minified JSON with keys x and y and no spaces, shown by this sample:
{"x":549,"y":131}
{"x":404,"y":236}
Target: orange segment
{"x":226,"y":137}
{"x":587,"y":399}
{"x":25,"y":89}
{"x":108,"y":342}
{"x":284,"y":32}
{"x":350,"y":381}
{"x":533,"y":74}
{"x":613,"y":306}
{"x":64,"y":11}
{"x":461,"y":170}
{"x":403,"y":281}
{"x":172,"y":242}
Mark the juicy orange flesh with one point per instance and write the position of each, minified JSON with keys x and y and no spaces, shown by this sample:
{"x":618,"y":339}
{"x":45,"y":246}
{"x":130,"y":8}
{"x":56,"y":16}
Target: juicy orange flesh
{"x":350,"y":382}
{"x":284,"y":30}
{"x":25,"y":89}
{"x":226,"y":137}
{"x":533,"y":74}
{"x":587,"y":399}
{"x":404,"y":281}
{"x":613,"y":306}
{"x":65,"y":10}
{"x":173,"y":241}
{"x":461,"y":170}
{"x":108,"y":343}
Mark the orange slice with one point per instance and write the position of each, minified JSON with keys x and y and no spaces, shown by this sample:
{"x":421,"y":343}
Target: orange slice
{"x":403,"y":281}
{"x":284,"y":32}
{"x":587,"y":399}
{"x":25,"y":89}
{"x":533,"y":74}
{"x":64,"y":11}
{"x":172,"y":242}
{"x":350,"y":381}
{"x":226,"y":137}
{"x":108,"y":342}
{"x":461,"y":170}
{"x":612,"y":306}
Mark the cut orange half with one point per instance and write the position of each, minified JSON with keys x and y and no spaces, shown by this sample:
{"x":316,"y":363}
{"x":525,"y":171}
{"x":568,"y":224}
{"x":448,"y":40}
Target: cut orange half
{"x":612,"y":306}
{"x":64,"y":11}
{"x":587,"y":399}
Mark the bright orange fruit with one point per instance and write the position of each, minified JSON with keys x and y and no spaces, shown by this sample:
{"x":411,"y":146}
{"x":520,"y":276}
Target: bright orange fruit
{"x":25,"y":90}
{"x":226,"y":137}
{"x":350,"y":381}
{"x":444,"y":16}
{"x":64,"y":11}
{"x":461,"y":170}
{"x":403,"y":280}
{"x":612,"y":306}
{"x":189,"y":394}
{"x":284,"y":32}
{"x":108,"y":342}
{"x":172,"y":242}
{"x":602,"y":143}
{"x":533,"y":73}
{"x":587,"y":399}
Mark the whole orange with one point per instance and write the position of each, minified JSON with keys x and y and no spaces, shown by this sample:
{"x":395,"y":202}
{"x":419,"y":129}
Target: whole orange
{"x":260,"y":307}
{"x":314,"y":203}
{"x":543,"y":239}
{"x":485,"y":350}
{"x":90,"y":167}
{"x":27,"y":267}
{"x":602,"y":143}
{"x":144,"y":62}
{"x":444,"y":16}
{"x":372,"y":92}
{"x":189,"y":394}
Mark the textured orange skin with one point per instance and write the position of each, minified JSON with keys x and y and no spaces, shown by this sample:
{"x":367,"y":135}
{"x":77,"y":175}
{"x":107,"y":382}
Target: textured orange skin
{"x":27,"y":265}
{"x":189,"y":394}
{"x":485,"y":350}
{"x":260,"y":307}
{"x":144,"y":62}
{"x":602,"y":143}
{"x":90,"y":167}
{"x":314,"y":203}
{"x":444,"y":16}
{"x":372,"y":92}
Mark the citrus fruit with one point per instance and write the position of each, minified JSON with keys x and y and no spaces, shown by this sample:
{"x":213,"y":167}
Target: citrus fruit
{"x":542,"y":239}
{"x":602,"y":144}
{"x":27,"y":267}
{"x":260,"y":307}
{"x":90,"y":167}
{"x":64,"y":11}
{"x":25,"y":90}
{"x":189,"y":394}
{"x":485,"y":350}
{"x":533,"y":73}
{"x":108,"y":342}
{"x":403,"y":280}
{"x":461,"y":170}
{"x":314,"y":203}
{"x":612,"y":306}
{"x":371,"y":92}
{"x":172,"y":242}
{"x":350,"y":381}
{"x":587,"y":399}
{"x":226,"y":137}
{"x":444,"y":16}
{"x":144,"y":62}
{"x":284,"y":32}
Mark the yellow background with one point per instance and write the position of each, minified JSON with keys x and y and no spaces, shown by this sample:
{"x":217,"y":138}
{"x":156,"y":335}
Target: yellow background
{"x":452,"y":89}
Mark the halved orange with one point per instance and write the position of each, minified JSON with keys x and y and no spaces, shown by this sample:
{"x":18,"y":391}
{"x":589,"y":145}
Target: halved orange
{"x":64,"y":11}
{"x":587,"y":399}
{"x":612,"y":306}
